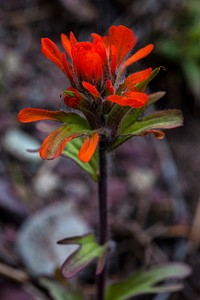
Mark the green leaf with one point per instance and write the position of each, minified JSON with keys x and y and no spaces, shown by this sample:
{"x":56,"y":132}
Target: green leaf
{"x":169,"y":48}
{"x":165,"y":119}
{"x":144,"y":282}
{"x":87,"y":251}
{"x":131,"y":125}
{"x":59,"y":292}
{"x":127,"y":121}
{"x":75,"y":122}
{"x":140,"y":86}
{"x":92,"y":167}
{"x":69,"y":93}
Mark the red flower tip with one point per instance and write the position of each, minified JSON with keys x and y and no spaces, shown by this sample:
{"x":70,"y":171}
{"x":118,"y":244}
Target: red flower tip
{"x":71,"y":102}
{"x":50,"y":50}
{"x":143,"y":52}
{"x":91,"y":89}
{"x":66,"y":43}
{"x":135,"y":78}
{"x":72,"y":97}
{"x":133,"y":99}
{"x":109,"y":89}
{"x":89,"y":146}
{"x":123,"y":39}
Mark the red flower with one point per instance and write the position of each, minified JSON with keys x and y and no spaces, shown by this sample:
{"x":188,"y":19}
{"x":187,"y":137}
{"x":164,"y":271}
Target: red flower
{"x":96,"y":72}
{"x":91,"y":64}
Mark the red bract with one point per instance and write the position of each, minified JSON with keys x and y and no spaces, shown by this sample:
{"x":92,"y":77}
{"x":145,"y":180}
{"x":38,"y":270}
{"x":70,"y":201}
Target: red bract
{"x":96,"y":72}
{"x":97,"y":61}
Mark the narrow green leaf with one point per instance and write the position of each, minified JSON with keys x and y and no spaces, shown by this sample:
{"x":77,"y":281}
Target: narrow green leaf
{"x":75,"y":122}
{"x":163,"y":119}
{"x":87,"y":251}
{"x":59,"y":292}
{"x":92,"y":167}
{"x":144,"y":282}
{"x":69,"y":93}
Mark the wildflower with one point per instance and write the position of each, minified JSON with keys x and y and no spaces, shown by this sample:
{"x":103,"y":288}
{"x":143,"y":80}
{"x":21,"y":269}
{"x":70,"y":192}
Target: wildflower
{"x":99,"y":91}
{"x":92,"y":64}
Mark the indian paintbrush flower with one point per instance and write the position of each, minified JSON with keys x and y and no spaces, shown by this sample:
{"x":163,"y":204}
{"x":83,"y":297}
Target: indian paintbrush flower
{"x":106,"y":109}
{"x":106,"y":103}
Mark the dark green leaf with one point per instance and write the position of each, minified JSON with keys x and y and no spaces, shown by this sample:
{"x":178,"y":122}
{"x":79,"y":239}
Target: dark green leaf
{"x":144,"y":282}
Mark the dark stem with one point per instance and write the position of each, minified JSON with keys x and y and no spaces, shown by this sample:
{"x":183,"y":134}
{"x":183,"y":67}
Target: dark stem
{"x":103,"y":216}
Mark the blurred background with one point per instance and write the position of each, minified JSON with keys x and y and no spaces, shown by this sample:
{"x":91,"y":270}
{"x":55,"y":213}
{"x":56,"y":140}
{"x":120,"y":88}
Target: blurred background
{"x":153,"y":185}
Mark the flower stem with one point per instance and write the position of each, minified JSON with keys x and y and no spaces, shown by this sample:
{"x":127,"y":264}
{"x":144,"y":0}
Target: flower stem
{"x":103,"y":216}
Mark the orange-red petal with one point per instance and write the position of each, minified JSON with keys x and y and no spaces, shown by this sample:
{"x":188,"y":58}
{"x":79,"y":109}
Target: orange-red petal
{"x":138,"y":55}
{"x":91,"y":89}
{"x":158,"y":134}
{"x":55,"y":142}
{"x":133,"y":99}
{"x":100,"y":48}
{"x":123,"y":38}
{"x":109,"y":89}
{"x":50,"y":50}
{"x":87,"y":62}
{"x":113,"y":58}
{"x":72,"y":39}
{"x":71,"y":101}
{"x":137,"y":77}
{"x":35,"y":114}
{"x":89,"y":146}
{"x":66,"y":43}
{"x":65,"y":67}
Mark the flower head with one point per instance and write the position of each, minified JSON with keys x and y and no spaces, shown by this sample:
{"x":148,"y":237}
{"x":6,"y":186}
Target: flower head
{"x":91,"y":64}
{"x":110,"y":104}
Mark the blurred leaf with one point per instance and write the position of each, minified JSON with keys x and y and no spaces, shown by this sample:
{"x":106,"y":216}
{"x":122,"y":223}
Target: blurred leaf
{"x":59,"y":292}
{"x":92,"y":167}
{"x":192,"y":73}
{"x":87,"y":251}
{"x":169,"y":48}
{"x":154,"y":98}
{"x":144,"y":282}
